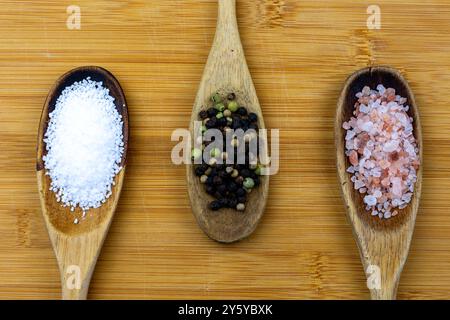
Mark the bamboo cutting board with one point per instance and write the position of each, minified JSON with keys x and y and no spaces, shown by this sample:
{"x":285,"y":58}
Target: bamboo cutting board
{"x":299,"y":54}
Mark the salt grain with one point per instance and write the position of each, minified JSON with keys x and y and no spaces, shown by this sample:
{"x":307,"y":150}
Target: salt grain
{"x":382,"y":150}
{"x":84,"y":144}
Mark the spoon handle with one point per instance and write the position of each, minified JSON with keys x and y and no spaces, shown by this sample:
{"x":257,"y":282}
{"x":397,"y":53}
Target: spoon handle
{"x":77,"y":257}
{"x":383,"y":255}
{"x":227,"y":16}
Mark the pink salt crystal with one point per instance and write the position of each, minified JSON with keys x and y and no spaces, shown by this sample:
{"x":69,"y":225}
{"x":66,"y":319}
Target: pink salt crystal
{"x":397,"y":187}
{"x":353,"y":157}
{"x":381,"y":132}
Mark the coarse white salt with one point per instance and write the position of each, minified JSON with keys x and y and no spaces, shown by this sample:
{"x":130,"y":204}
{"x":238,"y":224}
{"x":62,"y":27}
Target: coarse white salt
{"x":84,"y":144}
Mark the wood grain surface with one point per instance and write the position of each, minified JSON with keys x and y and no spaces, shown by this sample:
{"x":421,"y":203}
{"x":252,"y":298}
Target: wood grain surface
{"x":299,"y":54}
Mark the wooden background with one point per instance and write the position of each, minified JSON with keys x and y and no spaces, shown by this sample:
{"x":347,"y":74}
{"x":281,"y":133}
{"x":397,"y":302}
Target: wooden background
{"x":299,"y":53}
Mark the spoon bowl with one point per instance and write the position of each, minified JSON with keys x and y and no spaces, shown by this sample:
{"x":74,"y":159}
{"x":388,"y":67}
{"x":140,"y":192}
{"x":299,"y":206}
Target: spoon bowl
{"x":226,"y":71}
{"x":383,"y":243}
{"x":77,"y":246}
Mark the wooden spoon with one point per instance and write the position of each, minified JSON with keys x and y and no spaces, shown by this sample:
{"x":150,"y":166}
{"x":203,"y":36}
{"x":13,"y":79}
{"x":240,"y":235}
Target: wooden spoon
{"x":383,"y":243}
{"x":226,"y":71}
{"x":77,"y":246}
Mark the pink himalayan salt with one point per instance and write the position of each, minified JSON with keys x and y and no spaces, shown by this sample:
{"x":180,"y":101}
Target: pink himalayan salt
{"x":382,"y":151}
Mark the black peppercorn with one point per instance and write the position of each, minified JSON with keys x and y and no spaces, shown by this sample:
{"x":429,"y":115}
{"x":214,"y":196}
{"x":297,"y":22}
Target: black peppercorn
{"x":215,"y":205}
{"x":222,"y":122}
{"x":210,"y":189}
{"x":210,"y":181}
{"x":241,"y":192}
{"x":242,"y":199}
{"x":199,"y":171}
{"x":245,"y":173}
{"x":217,"y":180}
{"x":222,"y":189}
{"x":211,"y":123}
{"x":239,"y":180}
{"x":203,"y":114}
{"x":241,"y":111}
{"x":212,"y":112}
{"x":232,"y":203}
{"x":252,"y":117}
{"x":231,"y":96}
{"x":232,"y":186}
{"x":223,"y":202}
{"x":222,"y":174}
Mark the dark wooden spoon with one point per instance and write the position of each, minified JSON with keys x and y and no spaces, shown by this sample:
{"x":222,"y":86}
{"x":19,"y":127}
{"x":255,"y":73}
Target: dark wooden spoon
{"x":77,"y":246}
{"x":226,"y":71}
{"x":383,"y":243}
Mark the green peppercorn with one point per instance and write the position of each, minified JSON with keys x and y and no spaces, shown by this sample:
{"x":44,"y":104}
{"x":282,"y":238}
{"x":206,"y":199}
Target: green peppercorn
{"x":216,"y":98}
{"x":233,"y":106}
{"x":215,"y":152}
{"x":258,"y":170}
{"x":196,"y":153}
{"x":219,"y":107}
{"x":248,"y":183}
{"x":219,"y":115}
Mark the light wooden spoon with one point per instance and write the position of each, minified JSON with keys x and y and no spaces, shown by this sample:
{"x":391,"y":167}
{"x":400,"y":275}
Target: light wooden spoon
{"x":383,"y":244}
{"x":226,"y":71}
{"x":77,"y":246}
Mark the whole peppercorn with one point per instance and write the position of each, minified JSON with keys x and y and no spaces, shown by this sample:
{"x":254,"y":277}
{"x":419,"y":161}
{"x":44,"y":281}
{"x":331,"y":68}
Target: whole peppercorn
{"x":227,"y":113}
{"x":215,"y":205}
{"x":232,"y":203}
{"x":222,"y":122}
{"x":256,"y":181}
{"x":217,"y":180}
{"x":216,"y":98}
{"x":219,"y":107}
{"x":199,"y":171}
{"x":232,"y":186}
{"x":245,"y":172}
{"x":210,"y":181}
{"x":203,"y":178}
{"x":248,"y":183}
{"x":223,"y":174}
{"x":211,"y":123}
{"x":210,"y":189}
{"x":241,"y":111}
{"x":252,"y":117}
{"x":240,"y":192}
{"x":239,"y":180}
{"x":233,"y":106}
{"x":223,"y":202}
{"x":212,"y":112}
{"x":203,"y":114}
{"x":242,"y":199}
{"x":240,"y":207}
{"x":222,"y":189}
